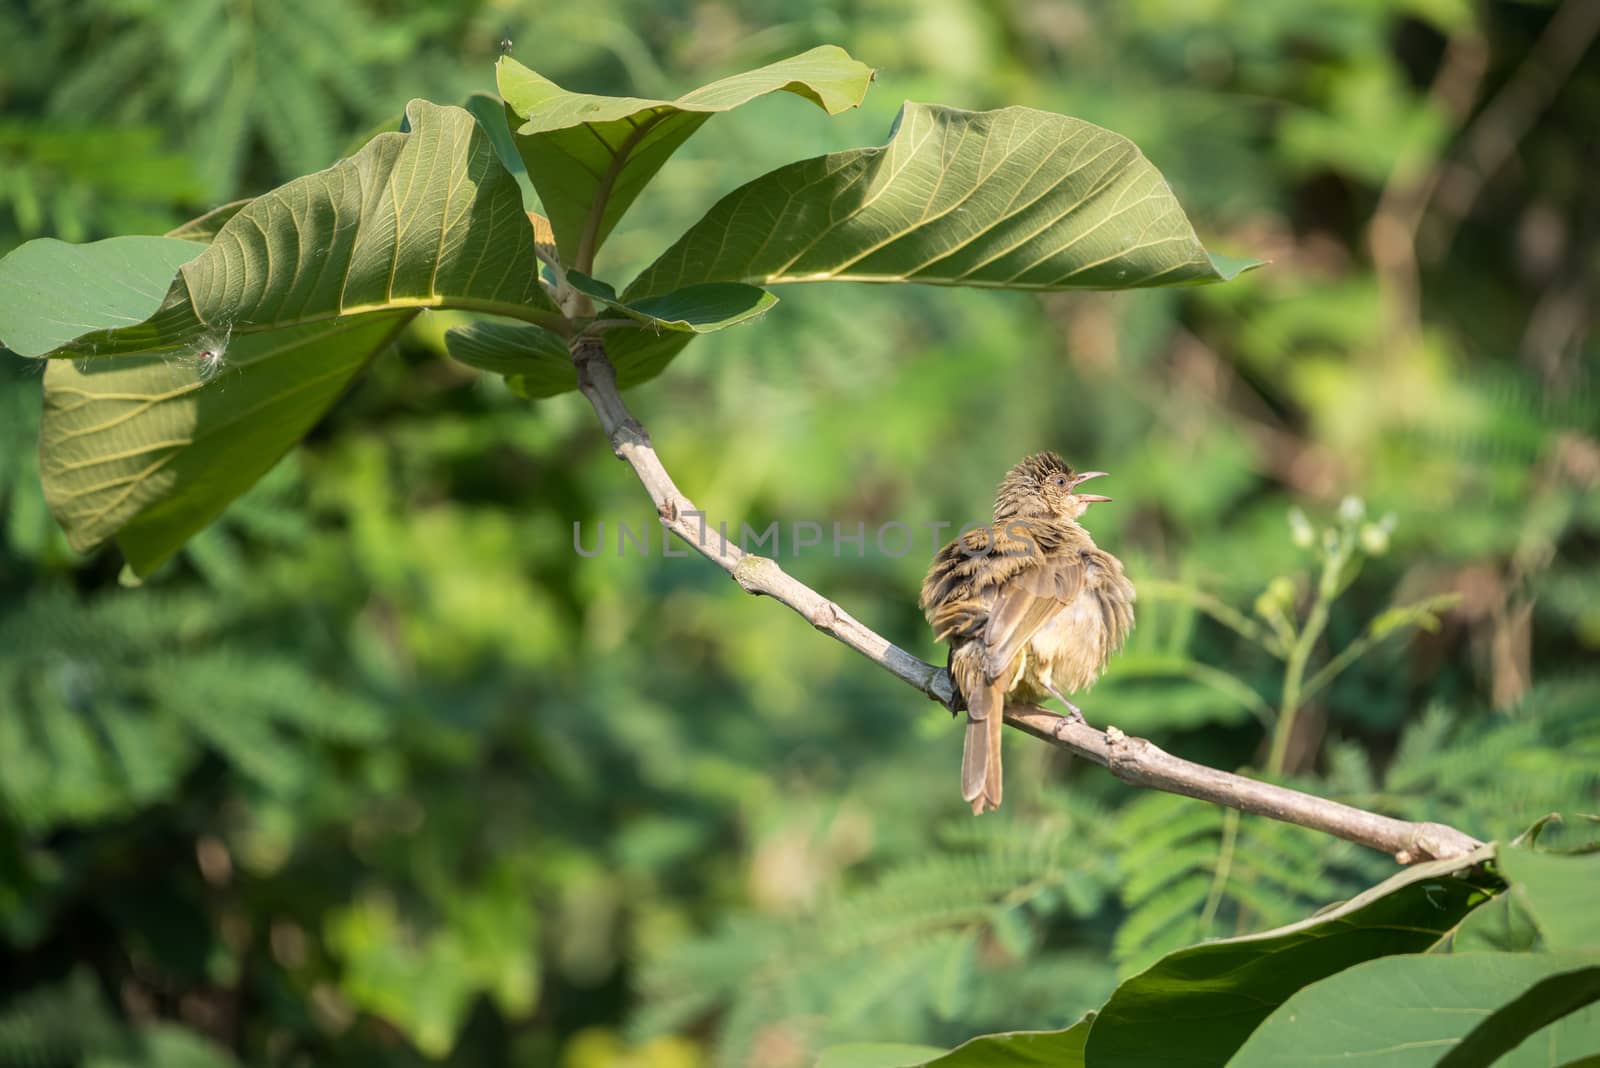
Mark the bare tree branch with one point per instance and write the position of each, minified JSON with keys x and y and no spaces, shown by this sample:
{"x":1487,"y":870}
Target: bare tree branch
{"x":1133,"y":760}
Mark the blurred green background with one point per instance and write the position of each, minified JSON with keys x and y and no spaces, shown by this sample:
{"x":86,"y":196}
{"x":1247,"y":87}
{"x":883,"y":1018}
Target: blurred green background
{"x":379,"y":772}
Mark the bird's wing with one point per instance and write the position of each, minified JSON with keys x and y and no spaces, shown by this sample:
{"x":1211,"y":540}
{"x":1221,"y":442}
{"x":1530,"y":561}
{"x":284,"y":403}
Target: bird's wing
{"x":1026,"y":600}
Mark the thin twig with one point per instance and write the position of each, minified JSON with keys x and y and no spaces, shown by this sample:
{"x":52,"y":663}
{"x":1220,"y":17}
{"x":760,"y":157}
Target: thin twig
{"x":1133,"y":760}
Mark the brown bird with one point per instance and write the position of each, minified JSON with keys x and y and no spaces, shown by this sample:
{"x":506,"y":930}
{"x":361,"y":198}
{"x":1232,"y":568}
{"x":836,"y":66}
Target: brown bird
{"x":1031,"y":608}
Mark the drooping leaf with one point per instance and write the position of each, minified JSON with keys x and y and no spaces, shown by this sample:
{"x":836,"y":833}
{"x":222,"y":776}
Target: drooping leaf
{"x":56,"y":292}
{"x":697,"y":309}
{"x":1412,"y":1010}
{"x":590,"y":156}
{"x":152,"y":449}
{"x":1011,"y":199}
{"x":514,"y":349}
{"x":261,"y":331}
{"x":1207,"y":999}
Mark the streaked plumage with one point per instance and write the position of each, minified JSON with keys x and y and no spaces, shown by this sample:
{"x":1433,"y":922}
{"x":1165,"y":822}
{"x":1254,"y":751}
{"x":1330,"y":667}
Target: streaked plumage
{"x":1031,"y":608}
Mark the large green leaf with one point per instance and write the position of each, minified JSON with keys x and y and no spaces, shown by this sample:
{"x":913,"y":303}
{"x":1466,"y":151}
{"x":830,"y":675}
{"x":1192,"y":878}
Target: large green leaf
{"x":56,"y":292}
{"x":259,"y":333}
{"x":1413,"y":1010}
{"x":589,"y":156}
{"x":151,"y":449}
{"x":1206,"y":1000}
{"x":1011,"y":199}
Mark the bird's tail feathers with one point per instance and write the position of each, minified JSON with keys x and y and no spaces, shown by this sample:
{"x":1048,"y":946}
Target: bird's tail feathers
{"x":980,"y":753}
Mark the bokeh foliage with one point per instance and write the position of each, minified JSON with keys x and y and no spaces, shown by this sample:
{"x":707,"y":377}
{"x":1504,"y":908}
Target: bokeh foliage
{"x":378,"y":771}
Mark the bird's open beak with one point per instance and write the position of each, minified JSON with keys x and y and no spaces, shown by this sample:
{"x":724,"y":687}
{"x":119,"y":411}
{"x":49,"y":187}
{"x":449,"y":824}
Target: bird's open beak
{"x":1091,"y":497}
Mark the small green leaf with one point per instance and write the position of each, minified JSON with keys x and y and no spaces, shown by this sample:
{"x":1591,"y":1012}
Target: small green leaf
{"x":536,"y":362}
{"x":514,"y":349}
{"x":590,"y":156}
{"x":1009,"y":199}
{"x":695,"y":309}
{"x":56,"y":292}
{"x":1423,"y":614}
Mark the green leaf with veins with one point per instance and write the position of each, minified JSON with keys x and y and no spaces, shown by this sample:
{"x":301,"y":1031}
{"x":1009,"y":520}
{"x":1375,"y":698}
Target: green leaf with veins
{"x":1008,"y":199}
{"x":590,"y":156}
{"x":259,"y":333}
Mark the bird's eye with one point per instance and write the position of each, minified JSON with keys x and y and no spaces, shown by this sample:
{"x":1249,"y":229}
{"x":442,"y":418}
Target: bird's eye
{"x":1061,"y":480}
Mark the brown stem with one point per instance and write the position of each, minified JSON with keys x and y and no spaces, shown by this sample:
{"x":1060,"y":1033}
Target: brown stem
{"x":757,"y":575}
{"x":1140,"y":762}
{"x":1133,"y":760}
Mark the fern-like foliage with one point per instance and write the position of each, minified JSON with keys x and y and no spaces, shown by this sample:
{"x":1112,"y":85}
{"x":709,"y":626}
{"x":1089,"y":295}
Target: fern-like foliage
{"x":958,"y":940}
{"x":1495,"y":773}
{"x":285,"y":79}
{"x":1193,"y":871}
{"x":93,"y":724}
{"x":79,"y":181}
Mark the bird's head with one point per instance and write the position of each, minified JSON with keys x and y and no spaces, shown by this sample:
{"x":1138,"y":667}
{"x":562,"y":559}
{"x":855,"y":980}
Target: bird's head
{"x":1042,"y":486}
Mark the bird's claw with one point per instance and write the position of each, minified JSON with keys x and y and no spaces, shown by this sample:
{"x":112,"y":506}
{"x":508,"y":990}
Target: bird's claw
{"x":1074,"y":715}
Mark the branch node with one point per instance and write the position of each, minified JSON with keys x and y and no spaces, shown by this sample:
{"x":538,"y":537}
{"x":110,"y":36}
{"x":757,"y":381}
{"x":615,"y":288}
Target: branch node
{"x":747,"y":573}
{"x":824,"y":617}
{"x":668,"y":510}
{"x":630,"y":432}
